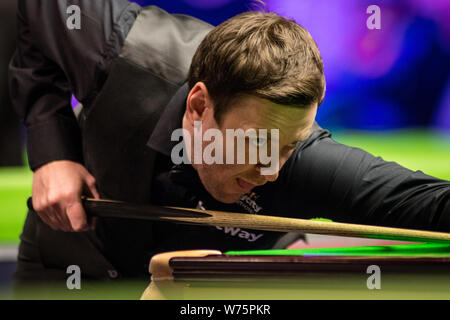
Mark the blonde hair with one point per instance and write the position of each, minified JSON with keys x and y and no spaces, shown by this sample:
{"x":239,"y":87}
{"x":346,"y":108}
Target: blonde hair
{"x":260,"y":54}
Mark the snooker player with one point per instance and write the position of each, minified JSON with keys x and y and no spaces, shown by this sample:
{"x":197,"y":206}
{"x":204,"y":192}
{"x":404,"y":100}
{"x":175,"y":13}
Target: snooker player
{"x":141,"y":74}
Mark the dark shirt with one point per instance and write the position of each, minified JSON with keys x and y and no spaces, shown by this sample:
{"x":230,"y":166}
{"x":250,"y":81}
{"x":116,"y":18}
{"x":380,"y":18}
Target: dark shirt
{"x":322,"y":178}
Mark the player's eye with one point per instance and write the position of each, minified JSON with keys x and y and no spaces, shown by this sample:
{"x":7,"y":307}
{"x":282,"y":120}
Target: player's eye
{"x":258,"y":142}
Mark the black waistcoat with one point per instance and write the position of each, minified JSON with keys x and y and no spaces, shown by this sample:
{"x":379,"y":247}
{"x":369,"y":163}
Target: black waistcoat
{"x":153,"y":64}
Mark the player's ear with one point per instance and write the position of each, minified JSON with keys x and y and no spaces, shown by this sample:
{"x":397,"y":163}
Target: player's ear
{"x":197,"y":102}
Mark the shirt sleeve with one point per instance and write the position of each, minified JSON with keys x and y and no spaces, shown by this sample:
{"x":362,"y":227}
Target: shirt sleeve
{"x":53,"y":61}
{"x":345,"y":184}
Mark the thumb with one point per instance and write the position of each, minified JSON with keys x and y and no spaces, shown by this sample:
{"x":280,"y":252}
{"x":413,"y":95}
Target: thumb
{"x":91,"y":188}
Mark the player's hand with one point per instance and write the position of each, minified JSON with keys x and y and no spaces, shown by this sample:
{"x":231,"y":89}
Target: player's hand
{"x":57,"y":190}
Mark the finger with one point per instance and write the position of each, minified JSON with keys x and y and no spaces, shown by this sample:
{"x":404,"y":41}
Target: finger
{"x":44,"y":219}
{"x":58,"y":212}
{"x":54,"y":214}
{"x":54,"y":221}
{"x":55,"y":210}
{"x":77,"y":216}
{"x":35,"y":203}
{"x":41,"y":206}
{"x":61,"y":214}
{"x":48,"y":220}
{"x":67,"y":223}
{"x":41,"y":209}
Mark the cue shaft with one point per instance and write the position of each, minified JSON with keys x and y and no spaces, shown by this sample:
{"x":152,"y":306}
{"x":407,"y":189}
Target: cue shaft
{"x":118,"y":209}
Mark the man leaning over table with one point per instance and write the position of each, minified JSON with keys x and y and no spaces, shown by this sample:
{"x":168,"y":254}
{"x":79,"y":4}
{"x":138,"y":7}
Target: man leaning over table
{"x":140,"y":74}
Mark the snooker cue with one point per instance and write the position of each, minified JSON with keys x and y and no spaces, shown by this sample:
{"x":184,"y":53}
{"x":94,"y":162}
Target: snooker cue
{"x":117,"y":209}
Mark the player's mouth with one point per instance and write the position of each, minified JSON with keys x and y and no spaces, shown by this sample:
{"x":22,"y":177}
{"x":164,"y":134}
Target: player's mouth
{"x":244,"y":185}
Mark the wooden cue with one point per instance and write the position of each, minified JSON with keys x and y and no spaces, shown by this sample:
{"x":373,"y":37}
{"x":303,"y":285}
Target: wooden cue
{"x":118,"y":209}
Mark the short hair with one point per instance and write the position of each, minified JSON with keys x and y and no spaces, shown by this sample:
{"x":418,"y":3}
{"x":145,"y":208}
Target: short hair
{"x":259,"y":54}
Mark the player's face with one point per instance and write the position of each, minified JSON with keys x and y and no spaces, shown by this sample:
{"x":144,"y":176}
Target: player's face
{"x":228,"y":182}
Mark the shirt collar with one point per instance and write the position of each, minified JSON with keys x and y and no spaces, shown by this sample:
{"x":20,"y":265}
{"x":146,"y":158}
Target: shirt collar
{"x":170,"y":120}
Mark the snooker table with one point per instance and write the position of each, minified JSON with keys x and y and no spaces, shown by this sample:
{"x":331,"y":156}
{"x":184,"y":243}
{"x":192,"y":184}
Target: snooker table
{"x":411,"y":271}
